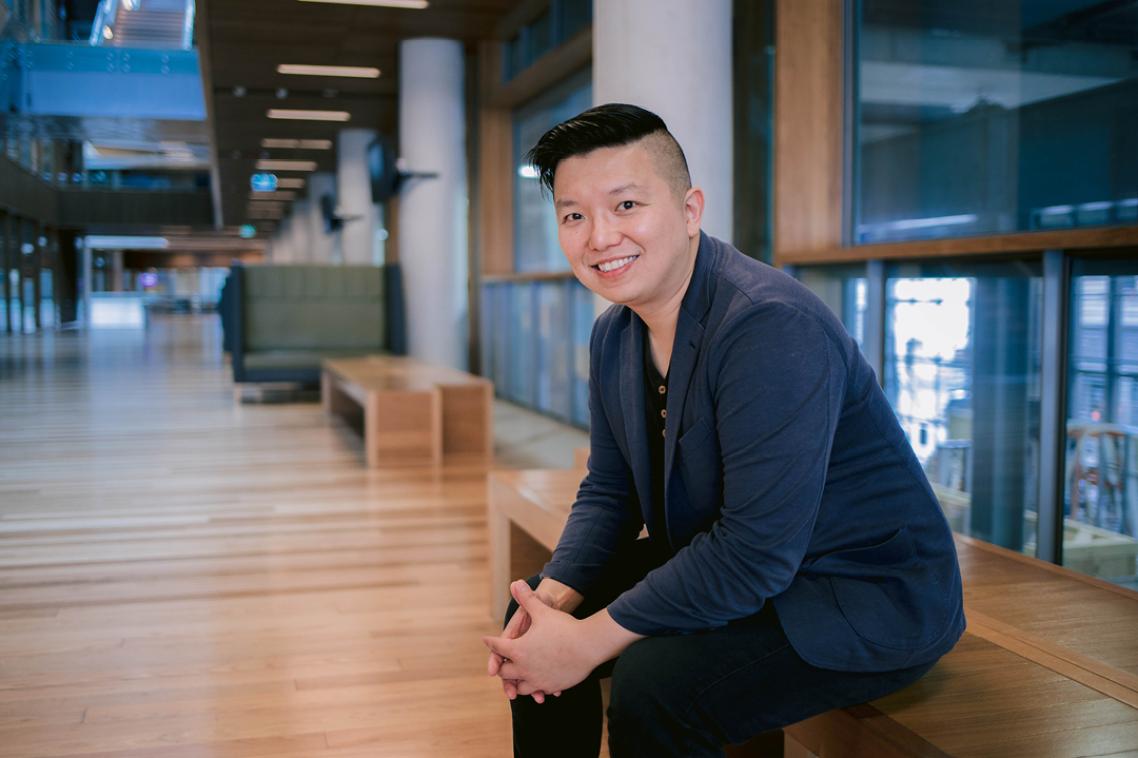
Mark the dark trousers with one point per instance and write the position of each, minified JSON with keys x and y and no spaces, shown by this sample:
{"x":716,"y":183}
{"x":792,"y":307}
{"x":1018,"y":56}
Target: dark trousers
{"x":688,"y":695}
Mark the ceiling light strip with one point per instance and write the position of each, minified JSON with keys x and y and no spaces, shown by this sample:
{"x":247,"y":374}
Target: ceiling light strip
{"x":417,"y":5}
{"x":353,"y":72}
{"x":297,"y":144}
{"x":307,"y":115}
{"x":273,"y":164}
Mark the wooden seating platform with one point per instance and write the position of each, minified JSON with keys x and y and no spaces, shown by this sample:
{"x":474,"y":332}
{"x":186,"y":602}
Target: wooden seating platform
{"x":414,"y":413}
{"x":1047,"y":667}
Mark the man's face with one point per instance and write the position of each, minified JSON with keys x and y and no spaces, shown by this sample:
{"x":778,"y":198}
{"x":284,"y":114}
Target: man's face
{"x":623,"y":228}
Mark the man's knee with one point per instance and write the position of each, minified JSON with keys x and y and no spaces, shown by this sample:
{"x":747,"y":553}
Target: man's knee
{"x":512,"y":606}
{"x":642,"y":687}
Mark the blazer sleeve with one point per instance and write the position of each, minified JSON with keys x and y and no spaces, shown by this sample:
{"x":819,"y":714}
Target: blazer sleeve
{"x":778,"y":381}
{"x":605,"y":516}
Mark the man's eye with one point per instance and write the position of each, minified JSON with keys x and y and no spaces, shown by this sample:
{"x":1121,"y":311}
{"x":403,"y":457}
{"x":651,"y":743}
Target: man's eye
{"x":573,"y":217}
{"x":628,"y":205}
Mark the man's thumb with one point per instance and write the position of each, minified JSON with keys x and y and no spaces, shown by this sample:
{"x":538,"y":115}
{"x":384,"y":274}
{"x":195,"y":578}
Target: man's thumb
{"x":527,"y":598}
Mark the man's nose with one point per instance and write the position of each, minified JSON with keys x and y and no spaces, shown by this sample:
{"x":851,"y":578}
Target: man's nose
{"x":603,"y":235}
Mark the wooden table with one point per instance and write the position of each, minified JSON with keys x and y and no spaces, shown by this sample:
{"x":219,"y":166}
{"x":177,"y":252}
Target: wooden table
{"x":1048,"y":666}
{"x":414,"y":413}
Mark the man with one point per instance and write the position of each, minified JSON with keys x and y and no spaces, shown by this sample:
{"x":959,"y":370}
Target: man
{"x":797,"y":560}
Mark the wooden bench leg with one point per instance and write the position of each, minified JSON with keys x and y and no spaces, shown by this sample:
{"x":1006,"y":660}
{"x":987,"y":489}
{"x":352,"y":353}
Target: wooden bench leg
{"x":468,"y":422}
{"x":500,"y":577}
{"x":326,"y":392}
{"x":403,"y":428}
{"x":514,"y":554}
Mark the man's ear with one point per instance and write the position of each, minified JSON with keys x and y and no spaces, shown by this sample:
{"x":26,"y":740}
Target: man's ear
{"x":693,"y":210}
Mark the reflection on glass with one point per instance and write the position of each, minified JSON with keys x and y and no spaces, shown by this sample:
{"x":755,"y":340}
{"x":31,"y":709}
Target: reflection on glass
{"x":962,"y":373}
{"x":843,"y":288}
{"x":994,"y":118}
{"x":535,"y":225}
{"x":1101,"y":474}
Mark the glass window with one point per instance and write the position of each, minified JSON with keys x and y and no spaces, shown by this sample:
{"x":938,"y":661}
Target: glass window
{"x":575,"y":15}
{"x":843,"y":288}
{"x":554,"y":26}
{"x":993,"y":118}
{"x":1100,"y":493}
{"x":535,"y":225}
{"x":535,"y":345}
{"x":584,"y":313}
{"x":962,"y":370}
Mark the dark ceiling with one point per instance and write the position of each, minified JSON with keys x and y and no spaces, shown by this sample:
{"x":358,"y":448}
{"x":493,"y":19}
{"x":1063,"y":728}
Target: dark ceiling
{"x":242,"y":42}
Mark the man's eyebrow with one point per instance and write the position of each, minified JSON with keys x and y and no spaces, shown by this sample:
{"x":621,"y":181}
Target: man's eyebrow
{"x":625,"y":188}
{"x":564,"y":203}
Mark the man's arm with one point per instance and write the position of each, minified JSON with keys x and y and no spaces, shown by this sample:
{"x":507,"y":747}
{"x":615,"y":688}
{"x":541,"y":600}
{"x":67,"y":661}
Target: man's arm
{"x":604,"y":516}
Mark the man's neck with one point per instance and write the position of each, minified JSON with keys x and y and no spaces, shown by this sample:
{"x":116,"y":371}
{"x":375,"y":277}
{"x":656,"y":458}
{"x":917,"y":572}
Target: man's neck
{"x":662,"y":317}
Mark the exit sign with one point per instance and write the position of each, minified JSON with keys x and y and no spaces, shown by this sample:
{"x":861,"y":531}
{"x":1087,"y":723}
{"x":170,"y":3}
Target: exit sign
{"x":263,"y":182}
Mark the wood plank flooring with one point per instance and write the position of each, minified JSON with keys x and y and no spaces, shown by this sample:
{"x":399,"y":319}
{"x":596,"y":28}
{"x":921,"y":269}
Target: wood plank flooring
{"x":182,"y":575}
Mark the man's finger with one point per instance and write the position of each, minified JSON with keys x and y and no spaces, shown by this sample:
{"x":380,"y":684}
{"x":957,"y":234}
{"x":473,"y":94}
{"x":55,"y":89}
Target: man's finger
{"x":510,"y":670}
{"x":510,"y":688}
{"x":519,"y":622}
{"x":501,"y":647}
{"x":493,"y":664}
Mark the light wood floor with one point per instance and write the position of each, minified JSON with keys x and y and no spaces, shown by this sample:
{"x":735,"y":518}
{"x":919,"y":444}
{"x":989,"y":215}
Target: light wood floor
{"x":182,"y":575}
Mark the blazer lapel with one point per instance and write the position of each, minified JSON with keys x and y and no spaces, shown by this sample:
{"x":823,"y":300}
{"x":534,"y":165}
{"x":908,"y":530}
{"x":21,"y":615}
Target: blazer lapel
{"x":632,"y":404}
{"x":685,"y":351}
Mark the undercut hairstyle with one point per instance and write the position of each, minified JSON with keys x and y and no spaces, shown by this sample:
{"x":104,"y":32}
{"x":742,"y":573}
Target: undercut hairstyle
{"x":611,"y":125}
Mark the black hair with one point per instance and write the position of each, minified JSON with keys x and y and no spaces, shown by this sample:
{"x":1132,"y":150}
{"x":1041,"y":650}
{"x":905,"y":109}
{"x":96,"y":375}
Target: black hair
{"x":609,"y":125}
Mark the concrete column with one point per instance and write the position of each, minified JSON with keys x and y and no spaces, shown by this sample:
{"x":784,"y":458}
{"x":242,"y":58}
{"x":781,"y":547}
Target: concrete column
{"x":281,"y":251}
{"x":353,"y":188}
{"x":301,"y":227}
{"x":433,"y":212}
{"x":116,"y":273}
{"x":322,"y":244}
{"x":673,"y":57}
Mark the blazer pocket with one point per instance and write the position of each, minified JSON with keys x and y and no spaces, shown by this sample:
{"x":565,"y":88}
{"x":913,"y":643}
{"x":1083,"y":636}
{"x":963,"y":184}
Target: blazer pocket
{"x":701,"y":467}
{"x":888,"y":596}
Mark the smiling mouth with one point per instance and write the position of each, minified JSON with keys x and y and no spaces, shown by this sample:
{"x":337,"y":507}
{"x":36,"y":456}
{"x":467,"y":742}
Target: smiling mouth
{"x":610,"y":266}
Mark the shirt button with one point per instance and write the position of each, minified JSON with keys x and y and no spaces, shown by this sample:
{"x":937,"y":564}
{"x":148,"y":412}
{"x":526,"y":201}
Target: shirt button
{"x":663,"y":413}
{"x":663,"y":389}
{"x":663,"y":433}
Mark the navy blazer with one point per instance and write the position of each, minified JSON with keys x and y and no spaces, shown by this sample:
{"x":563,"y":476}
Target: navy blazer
{"x":787,"y":478}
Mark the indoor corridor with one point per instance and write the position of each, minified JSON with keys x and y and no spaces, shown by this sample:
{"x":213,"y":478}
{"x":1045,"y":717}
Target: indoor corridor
{"x":180,"y":570}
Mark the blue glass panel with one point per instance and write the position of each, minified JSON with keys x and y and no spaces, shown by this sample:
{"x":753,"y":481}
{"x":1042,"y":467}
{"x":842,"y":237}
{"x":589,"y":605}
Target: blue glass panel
{"x":1100,"y":489}
{"x":962,"y":369}
{"x":583,"y":317}
{"x":982,"y":118}
{"x":535,"y":225}
{"x":843,"y":288}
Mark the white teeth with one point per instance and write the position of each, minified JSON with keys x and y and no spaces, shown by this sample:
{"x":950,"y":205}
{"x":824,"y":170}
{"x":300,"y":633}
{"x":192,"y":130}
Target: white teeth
{"x":613,"y":265}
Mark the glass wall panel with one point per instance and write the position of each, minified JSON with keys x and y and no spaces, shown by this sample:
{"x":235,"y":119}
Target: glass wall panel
{"x":962,"y":371}
{"x":535,"y":225}
{"x":554,"y":26}
{"x":843,"y":288}
{"x":1100,"y":493}
{"x":584,"y":310}
{"x":981,"y":118}
{"x":535,"y":338}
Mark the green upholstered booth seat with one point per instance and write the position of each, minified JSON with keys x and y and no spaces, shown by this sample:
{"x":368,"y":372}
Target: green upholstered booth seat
{"x":296,"y":359}
{"x":285,"y":319}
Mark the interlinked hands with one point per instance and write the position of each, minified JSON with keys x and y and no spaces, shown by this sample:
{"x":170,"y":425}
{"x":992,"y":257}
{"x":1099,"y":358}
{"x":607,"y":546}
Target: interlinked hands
{"x":542,"y":650}
{"x":519,"y":624}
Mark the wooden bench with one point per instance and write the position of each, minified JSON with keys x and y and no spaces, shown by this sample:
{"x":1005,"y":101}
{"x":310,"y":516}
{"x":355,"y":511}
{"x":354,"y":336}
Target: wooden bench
{"x":413,"y":413}
{"x":1048,"y":666}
